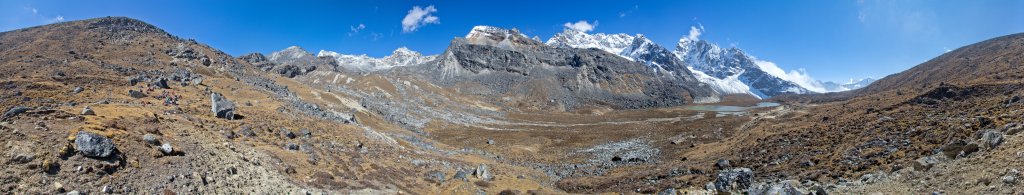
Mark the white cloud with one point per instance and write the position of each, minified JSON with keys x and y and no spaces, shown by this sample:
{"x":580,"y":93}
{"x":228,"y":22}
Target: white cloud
{"x":58,"y":19}
{"x":35,"y":11}
{"x":582,"y":26}
{"x":355,"y":29}
{"x":799,"y":76}
{"x":417,"y":17}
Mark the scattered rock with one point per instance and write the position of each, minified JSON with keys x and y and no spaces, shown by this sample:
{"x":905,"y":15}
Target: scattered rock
{"x":734,"y":179}
{"x":1012,"y":128}
{"x":305,"y":133}
{"x":74,"y":192}
{"x":150,"y":139}
{"x":1010,"y":177}
{"x":221,"y":107}
{"x":482,"y":172}
{"x":77,"y":90}
{"x":490,"y":141}
{"x":136,"y":94}
{"x":667,"y":191}
{"x":991,"y":138}
{"x":106,"y":189}
{"x":88,"y":111}
{"x":925,"y":163}
{"x":14,"y":112}
{"x":509,"y":192}
{"x":93,"y":145}
{"x":436,"y":177}
{"x":722,"y":164}
{"x":787,"y":187}
{"x":292,"y":146}
{"x":167,"y":149}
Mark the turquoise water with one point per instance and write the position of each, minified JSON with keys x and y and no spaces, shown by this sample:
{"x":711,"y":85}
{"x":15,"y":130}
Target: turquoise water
{"x":723,"y":108}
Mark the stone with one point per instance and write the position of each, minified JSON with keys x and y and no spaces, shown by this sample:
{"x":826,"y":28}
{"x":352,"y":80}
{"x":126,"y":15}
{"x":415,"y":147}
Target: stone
{"x":247,"y":131}
{"x":74,"y":192}
{"x":221,"y":107}
{"x":460,"y":175}
{"x":1010,"y":177}
{"x":667,"y":191}
{"x":286,"y":133}
{"x":231,"y":170}
{"x":305,"y":133}
{"x":136,"y":94}
{"x":94,"y":145}
{"x":292,"y":146}
{"x":88,"y":111}
{"x":734,"y":179}
{"x":436,"y":177}
{"x":482,"y":172}
{"x":166,"y":149}
{"x":14,"y":112}
{"x":106,"y":189}
{"x":925,"y":163}
{"x":787,"y":187}
{"x":160,"y":83}
{"x":722,"y":164}
{"x":77,"y":90}
{"x":197,"y":81}
{"x":992,"y":138}
{"x":150,"y":139}
{"x":58,"y":186}
{"x":490,"y":141}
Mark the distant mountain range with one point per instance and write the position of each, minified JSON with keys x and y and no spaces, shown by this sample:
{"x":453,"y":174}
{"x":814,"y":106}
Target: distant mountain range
{"x":724,"y":70}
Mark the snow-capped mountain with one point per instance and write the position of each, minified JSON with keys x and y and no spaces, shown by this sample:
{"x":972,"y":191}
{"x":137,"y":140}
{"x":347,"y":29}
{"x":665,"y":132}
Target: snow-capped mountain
{"x":729,"y":67}
{"x":849,"y":85}
{"x":400,"y":57}
{"x":291,"y":54}
{"x":727,"y":70}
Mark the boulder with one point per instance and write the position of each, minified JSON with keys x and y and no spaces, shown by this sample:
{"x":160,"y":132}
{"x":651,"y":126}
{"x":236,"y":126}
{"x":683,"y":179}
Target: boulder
{"x":991,"y":138}
{"x":136,"y":94}
{"x":15,"y":111}
{"x":77,"y":90}
{"x":460,"y":175}
{"x":221,"y":107}
{"x":160,"y":83}
{"x":94,"y":145}
{"x":247,"y":131}
{"x":667,"y":191}
{"x":306,"y":133}
{"x":1010,"y":177}
{"x":482,"y":172}
{"x":735,"y":179}
{"x":88,"y":111}
{"x":787,"y":187}
{"x":150,"y":139}
{"x":287,"y":133}
{"x":292,"y":146}
{"x":167,"y":149}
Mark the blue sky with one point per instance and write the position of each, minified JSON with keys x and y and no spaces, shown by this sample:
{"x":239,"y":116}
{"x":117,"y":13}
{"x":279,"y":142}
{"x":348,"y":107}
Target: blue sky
{"x":830,"y":40}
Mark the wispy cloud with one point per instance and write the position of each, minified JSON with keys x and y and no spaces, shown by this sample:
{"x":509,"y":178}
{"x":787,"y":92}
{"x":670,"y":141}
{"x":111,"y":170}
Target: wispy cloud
{"x":911,"y":18}
{"x":623,"y":14}
{"x":418,"y":17}
{"x":582,"y":26}
{"x":355,"y":29}
{"x":43,"y":18}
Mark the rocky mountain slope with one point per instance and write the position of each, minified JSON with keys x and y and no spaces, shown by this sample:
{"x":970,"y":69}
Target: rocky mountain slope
{"x":116,"y":105}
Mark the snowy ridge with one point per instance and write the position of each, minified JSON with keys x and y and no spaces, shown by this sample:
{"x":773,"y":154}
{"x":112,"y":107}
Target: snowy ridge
{"x":400,"y":57}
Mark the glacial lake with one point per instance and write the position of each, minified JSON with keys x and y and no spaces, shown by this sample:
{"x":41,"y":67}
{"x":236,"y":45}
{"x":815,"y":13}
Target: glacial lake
{"x":724,"y":108}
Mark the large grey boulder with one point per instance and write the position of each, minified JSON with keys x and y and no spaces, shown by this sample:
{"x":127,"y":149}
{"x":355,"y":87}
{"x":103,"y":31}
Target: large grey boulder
{"x":735,"y":179}
{"x":94,"y":145}
{"x":222,"y":108}
{"x":992,"y":138}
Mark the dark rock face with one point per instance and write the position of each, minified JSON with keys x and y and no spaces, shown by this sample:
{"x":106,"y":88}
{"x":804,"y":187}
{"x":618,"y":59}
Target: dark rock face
{"x":93,"y":145}
{"x":258,"y":60}
{"x":222,"y":108}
